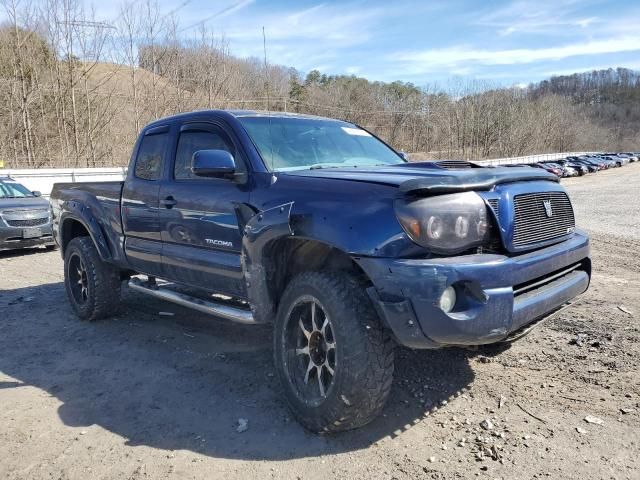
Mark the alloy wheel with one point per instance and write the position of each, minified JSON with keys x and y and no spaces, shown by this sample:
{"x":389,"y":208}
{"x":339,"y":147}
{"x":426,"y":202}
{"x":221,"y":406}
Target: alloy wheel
{"x":310,"y":341}
{"x":78,"y":279}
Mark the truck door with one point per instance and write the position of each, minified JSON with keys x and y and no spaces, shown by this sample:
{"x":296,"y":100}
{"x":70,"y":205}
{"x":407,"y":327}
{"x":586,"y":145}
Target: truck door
{"x":200,"y":233}
{"x":140,"y":220}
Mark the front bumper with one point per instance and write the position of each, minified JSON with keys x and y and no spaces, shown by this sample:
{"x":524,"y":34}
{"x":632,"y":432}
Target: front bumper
{"x":497,"y":295}
{"x":14,"y":237}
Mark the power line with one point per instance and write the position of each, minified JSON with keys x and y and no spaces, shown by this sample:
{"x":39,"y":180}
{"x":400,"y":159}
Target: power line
{"x":85,"y":23}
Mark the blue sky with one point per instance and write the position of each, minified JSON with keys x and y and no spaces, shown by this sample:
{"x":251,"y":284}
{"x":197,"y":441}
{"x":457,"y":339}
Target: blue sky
{"x":503,"y":42}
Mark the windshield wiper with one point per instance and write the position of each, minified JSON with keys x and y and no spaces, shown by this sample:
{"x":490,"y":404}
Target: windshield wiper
{"x":318,"y":166}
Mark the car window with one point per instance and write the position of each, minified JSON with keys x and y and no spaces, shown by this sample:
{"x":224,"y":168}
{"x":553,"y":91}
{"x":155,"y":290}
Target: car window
{"x":151,"y":156}
{"x":192,"y":141}
{"x":11,"y":189}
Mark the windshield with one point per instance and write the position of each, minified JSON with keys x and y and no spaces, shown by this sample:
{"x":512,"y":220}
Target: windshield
{"x":11,"y":189}
{"x":300,"y":144}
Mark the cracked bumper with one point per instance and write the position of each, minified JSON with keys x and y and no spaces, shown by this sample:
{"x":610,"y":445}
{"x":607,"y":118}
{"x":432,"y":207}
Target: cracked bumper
{"x":497,"y":295}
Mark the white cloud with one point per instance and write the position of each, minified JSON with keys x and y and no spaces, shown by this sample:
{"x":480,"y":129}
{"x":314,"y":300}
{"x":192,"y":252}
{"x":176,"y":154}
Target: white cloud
{"x":462,"y":56}
{"x":542,"y":17}
{"x":305,"y":38}
{"x":507,"y":31}
{"x":322,"y":22}
{"x":224,"y":12}
{"x":585,"y":22}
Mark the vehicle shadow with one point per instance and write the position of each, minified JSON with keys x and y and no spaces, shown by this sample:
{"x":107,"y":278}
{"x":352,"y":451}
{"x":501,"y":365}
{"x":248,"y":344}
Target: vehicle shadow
{"x":182,"y":381}
{"x":21,"y":252}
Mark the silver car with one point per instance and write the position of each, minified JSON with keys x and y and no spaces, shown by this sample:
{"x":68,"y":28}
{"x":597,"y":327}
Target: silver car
{"x":25,"y":217}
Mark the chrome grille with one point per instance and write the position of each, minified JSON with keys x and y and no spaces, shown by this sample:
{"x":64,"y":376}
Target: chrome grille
{"x":532,"y":224}
{"x":41,"y":212}
{"x":31,"y":222}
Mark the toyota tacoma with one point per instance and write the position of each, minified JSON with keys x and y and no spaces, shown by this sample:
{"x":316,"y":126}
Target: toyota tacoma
{"x":319,"y":227}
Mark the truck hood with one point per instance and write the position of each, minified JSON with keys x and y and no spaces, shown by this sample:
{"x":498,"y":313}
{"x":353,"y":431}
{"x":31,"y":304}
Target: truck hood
{"x":427,"y":178}
{"x":23,"y":203}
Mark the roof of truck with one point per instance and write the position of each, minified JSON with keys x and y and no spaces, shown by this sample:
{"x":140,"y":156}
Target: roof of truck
{"x":243,"y":113}
{"x":266,"y":113}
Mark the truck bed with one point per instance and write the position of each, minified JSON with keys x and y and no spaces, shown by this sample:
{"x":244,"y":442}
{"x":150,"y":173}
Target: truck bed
{"x":103,"y":200}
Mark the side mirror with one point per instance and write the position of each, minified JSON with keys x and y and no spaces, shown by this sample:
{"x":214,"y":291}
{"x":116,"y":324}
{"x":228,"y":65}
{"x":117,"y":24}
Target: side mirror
{"x":37,"y":193}
{"x":213,"y":163}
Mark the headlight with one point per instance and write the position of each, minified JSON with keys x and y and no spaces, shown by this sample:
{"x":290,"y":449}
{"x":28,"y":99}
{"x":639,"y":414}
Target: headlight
{"x":446,"y":223}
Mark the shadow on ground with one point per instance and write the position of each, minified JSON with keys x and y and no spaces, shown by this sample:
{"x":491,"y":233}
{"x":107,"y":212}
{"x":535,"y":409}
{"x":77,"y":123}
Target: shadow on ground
{"x":21,"y":252}
{"x":182,"y":382}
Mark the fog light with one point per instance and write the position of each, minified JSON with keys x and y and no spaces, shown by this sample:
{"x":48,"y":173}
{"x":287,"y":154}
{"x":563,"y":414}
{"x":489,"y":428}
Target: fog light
{"x":448,"y":299}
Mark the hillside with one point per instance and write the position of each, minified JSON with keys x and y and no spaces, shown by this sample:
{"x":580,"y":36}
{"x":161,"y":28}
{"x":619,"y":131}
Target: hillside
{"x":610,"y":98}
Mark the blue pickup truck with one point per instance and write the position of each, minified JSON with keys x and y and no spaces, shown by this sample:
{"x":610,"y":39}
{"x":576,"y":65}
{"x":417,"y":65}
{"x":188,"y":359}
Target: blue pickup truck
{"x":318,"y":226}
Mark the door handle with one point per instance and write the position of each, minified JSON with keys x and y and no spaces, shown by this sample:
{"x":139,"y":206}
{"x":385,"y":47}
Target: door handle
{"x":168,"y":202}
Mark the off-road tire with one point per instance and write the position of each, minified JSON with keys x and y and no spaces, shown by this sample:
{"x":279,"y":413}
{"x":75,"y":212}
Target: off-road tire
{"x":363,"y":351}
{"x":103,"y":281}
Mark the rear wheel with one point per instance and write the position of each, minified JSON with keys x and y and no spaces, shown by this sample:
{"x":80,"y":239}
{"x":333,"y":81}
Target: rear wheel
{"x":93,"y":286}
{"x":334,"y":359}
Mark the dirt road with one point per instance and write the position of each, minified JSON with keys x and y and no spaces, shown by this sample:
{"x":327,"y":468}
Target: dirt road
{"x":147,"y":395}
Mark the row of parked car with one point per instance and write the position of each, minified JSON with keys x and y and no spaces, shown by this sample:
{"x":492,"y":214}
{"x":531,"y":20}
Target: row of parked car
{"x":575,"y":166}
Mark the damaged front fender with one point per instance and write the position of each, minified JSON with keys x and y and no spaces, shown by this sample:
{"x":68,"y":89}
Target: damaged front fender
{"x":258,"y":232}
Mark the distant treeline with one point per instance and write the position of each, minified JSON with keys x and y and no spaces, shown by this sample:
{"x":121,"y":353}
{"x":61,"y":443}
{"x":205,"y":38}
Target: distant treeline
{"x":76,"y":91}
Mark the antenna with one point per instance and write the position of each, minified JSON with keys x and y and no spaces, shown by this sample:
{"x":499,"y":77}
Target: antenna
{"x":266,"y":83}
{"x":266,"y":73}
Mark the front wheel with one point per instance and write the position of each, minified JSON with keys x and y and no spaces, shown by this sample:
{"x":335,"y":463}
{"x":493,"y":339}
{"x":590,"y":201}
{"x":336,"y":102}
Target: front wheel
{"x":334,"y":359}
{"x":93,"y":286}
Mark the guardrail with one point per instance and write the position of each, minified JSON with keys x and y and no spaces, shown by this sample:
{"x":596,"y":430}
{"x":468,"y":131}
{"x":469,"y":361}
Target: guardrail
{"x":42,"y":179}
{"x":544,"y":157}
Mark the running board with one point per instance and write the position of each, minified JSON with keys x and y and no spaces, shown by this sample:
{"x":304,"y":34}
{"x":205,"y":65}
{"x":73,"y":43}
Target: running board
{"x":212,"y":308}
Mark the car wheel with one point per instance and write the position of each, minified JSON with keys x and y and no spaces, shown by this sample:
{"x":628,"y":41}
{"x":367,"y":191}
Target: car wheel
{"x":93,"y":286}
{"x":333,"y":357}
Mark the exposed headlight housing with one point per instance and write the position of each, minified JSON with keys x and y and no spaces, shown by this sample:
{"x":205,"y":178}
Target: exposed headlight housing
{"x":447,"y":299}
{"x":446,"y":223}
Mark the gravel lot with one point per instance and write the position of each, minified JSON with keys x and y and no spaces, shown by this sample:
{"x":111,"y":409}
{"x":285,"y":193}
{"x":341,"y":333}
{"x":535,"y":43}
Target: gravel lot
{"x":154,"y":396}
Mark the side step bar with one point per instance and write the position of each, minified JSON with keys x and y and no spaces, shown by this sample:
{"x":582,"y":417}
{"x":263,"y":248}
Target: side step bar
{"x":212,"y":308}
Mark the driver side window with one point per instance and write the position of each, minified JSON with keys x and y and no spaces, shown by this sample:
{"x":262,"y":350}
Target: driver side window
{"x":190,"y":142}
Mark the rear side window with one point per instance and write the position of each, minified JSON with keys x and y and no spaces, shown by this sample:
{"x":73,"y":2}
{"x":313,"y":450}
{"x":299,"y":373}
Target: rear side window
{"x":190,"y":142}
{"x":151,"y":156}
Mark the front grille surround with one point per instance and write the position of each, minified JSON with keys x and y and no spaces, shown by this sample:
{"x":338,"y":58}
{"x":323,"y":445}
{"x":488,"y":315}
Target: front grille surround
{"x":25,"y":217}
{"x":532,"y":225}
{"x":30,"y":222}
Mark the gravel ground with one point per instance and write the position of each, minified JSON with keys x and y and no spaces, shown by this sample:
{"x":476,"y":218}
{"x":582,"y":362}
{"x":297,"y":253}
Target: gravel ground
{"x":146,"y":395}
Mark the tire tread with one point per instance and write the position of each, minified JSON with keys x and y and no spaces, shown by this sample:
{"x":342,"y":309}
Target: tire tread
{"x":104,"y":277}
